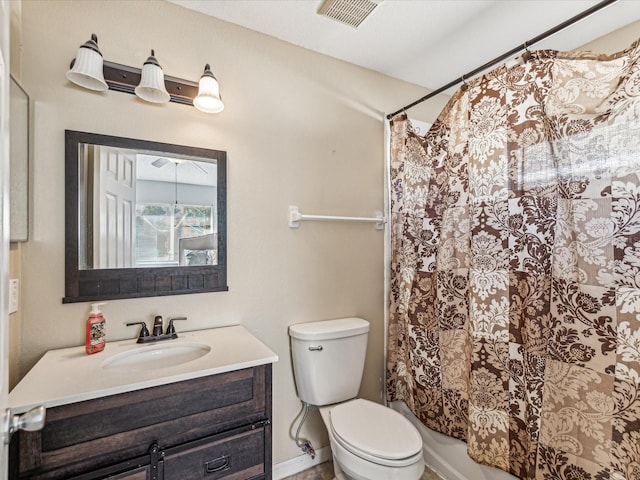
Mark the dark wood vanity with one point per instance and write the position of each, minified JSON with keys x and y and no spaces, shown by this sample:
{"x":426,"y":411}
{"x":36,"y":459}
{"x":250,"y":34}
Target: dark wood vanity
{"x":213,"y":427}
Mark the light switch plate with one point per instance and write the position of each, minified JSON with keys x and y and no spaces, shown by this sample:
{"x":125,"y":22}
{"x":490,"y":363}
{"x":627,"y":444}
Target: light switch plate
{"x":14,"y":295}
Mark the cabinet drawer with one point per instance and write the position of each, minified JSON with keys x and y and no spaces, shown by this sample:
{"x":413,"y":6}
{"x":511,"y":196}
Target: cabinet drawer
{"x":141,"y":473}
{"x":233,"y":458}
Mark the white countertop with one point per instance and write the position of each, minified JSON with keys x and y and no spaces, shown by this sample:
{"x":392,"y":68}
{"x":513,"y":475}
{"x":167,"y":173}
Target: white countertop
{"x":70,"y":375}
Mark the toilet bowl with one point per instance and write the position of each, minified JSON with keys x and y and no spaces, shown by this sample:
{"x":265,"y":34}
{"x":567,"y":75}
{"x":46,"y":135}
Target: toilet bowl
{"x":371,"y":442}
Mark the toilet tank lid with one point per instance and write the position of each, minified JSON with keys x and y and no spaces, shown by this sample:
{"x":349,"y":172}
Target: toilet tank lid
{"x":328,"y":329}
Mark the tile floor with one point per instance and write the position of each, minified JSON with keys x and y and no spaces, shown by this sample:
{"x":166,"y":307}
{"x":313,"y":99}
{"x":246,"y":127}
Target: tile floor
{"x":324,"y":471}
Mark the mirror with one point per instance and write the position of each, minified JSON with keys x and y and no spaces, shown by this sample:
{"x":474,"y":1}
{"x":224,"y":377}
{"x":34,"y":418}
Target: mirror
{"x":19,"y":163}
{"x":142,"y":218}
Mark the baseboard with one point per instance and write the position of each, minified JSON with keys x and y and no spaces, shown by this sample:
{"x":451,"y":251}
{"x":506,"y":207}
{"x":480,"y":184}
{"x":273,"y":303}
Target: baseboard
{"x":298,"y":464}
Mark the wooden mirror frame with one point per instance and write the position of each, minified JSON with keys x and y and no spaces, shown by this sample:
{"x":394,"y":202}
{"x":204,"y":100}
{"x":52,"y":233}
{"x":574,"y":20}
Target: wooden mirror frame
{"x":116,"y":283}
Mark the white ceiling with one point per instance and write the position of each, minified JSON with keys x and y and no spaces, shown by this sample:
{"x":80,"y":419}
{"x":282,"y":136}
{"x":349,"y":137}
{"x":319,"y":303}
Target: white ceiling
{"x":426,"y":42}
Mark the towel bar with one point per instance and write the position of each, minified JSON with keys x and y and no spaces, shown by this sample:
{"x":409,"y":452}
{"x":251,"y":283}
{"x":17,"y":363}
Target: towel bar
{"x":295,"y":217}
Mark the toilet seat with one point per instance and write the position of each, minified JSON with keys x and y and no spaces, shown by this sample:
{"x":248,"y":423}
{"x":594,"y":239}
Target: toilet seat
{"x":375,"y":433}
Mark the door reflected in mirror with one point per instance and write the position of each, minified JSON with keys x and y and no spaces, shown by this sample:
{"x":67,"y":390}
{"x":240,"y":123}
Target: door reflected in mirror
{"x":142,"y":218}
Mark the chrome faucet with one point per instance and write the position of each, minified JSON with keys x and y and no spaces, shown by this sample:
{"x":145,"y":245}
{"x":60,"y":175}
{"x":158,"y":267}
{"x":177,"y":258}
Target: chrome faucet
{"x":145,"y":337}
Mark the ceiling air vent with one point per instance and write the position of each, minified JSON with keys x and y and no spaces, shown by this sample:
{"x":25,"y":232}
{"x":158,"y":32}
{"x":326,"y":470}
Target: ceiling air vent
{"x":350,"y":12}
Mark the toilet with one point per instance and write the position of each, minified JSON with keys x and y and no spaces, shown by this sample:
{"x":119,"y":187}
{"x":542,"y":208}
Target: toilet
{"x":368,"y":441}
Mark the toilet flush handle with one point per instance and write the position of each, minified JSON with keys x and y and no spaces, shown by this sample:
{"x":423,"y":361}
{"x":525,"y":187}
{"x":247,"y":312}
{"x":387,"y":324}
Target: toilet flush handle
{"x":316,"y":349}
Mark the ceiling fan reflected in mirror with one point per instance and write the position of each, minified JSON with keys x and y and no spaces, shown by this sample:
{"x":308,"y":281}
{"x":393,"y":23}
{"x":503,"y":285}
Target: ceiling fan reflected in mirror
{"x":162,"y":161}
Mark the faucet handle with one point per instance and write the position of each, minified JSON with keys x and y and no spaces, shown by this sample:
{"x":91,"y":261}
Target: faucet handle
{"x":170,"y":328}
{"x":144,"y":331}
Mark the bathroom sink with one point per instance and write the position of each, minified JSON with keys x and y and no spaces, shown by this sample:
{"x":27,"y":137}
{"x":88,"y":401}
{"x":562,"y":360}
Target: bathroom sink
{"x":147,"y":357}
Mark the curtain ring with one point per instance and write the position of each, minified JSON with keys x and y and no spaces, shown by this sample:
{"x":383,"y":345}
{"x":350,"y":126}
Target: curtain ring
{"x":527,"y":54}
{"x":464,"y":86}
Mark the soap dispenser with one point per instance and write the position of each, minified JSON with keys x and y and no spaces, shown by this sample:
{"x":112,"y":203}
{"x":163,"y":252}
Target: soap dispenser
{"x":95,"y":330}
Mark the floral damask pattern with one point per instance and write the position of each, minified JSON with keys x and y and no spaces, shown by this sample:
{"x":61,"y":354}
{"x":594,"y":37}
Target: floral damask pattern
{"x":515,"y":267}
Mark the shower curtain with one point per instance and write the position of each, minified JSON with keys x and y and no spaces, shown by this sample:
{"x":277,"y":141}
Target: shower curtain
{"x":515,"y":267}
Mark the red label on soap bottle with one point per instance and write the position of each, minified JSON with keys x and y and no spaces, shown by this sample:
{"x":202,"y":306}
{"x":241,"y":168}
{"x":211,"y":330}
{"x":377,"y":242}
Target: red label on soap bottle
{"x":95,"y":334}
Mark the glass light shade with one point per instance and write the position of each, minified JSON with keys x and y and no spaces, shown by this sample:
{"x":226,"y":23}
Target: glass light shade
{"x":208,"y":99}
{"x":151,"y":87}
{"x":86,"y":69}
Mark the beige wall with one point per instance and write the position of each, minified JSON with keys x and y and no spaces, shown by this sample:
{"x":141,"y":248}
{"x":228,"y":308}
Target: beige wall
{"x":615,"y":41}
{"x":15,"y":319}
{"x":299,"y":128}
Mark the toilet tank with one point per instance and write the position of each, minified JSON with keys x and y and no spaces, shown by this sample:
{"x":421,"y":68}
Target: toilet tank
{"x":328,"y":359}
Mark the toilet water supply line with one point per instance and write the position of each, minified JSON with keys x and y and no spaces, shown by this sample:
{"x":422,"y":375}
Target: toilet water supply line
{"x":304,"y":444}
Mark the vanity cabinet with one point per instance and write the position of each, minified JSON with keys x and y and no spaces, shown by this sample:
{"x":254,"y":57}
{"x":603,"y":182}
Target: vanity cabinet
{"x":213,"y":427}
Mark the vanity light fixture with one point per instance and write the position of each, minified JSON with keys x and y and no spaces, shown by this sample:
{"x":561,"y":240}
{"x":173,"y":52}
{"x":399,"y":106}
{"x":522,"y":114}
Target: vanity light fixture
{"x":89,"y":70}
{"x":86,"y":68}
{"x":151,"y":87}
{"x":208,"y":99}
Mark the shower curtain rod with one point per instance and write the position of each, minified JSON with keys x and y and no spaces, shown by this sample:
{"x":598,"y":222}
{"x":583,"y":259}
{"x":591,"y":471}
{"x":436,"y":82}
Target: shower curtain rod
{"x":504,"y":56}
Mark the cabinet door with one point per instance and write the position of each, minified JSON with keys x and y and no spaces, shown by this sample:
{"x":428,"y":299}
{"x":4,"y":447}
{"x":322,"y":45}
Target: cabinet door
{"x":237,"y":457}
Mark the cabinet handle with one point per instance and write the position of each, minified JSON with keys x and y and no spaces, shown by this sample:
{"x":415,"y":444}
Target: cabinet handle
{"x":217,"y":465}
